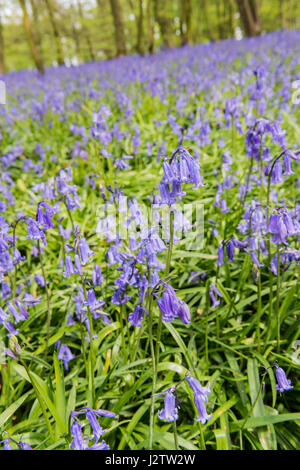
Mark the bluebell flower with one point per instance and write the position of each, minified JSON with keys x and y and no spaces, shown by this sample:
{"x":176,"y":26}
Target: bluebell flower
{"x":24,"y":446}
{"x":171,"y":306}
{"x":78,"y":442}
{"x":202,"y":416}
{"x":34,"y":233}
{"x":197,"y":387}
{"x":78,"y":264}
{"x":283,"y":382}
{"x":81,"y":443}
{"x":19,"y":315}
{"x":94,"y":305}
{"x":224,"y":208}
{"x":165,"y":195}
{"x":39,"y":280}
{"x":255,"y":259}
{"x":100,"y":446}
{"x":85,"y":252}
{"x":7,"y":445}
{"x":98,"y":431}
{"x":280,"y":228}
{"x":10,"y":328}
{"x":30,"y":300}
{"x":230,"y":250}
{"x":183,"y":312}
{"x":3,"y":316}
{"x":120,"y":297}
{"x":220,"y":261}
{"x":135,"y":318}
{"x":69,"y":267}
{"x":97,"y":276}
{"x":287,"y":165}
{"x":170,"y":410}
{"x":64,"y":354}
{"x":44,"y":215}
{"x":65,"y":233}
{"x":276,"y":176}
{"x":10,"y":353}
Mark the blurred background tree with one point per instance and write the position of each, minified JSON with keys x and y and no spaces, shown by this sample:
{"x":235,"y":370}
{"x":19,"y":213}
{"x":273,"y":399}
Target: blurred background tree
{"x":39,"y":33}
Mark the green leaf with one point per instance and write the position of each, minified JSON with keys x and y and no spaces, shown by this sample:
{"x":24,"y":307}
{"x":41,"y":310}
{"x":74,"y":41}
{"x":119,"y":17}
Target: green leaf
{"x":266,"y":434}
{"x":12,"y":408}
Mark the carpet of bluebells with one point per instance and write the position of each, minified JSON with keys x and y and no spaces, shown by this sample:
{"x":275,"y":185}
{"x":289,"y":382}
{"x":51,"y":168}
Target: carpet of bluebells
{"x":115,"y":333}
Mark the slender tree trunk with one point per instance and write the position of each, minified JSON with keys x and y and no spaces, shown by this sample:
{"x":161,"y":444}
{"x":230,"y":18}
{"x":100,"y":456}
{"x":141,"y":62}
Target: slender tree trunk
{"x":291,"y":15}
{"x":150,"y":30}
{"x":75,"y":33}
{"x":208,"y":30}
{"x":232,"y":23}
{"x":186,"y":22}
{"x":249,"y":15}
{"x":164,"y":22}
{"x":35,"y":22}
{"x":140,"y":29}
{"x":2,"y":62}
{"x":281,"y":15}
{"x":220,"y":18}
{"x":117,"y":15}
{"x":85,"y":32}
{"x":56,"y":34}
{"x":32,"y":46}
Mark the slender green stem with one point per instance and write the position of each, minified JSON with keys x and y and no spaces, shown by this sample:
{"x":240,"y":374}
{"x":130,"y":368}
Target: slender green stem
{"x":206,"y":320}
{"x":278,"y":299}
{"x":123,"y":306}
{"x":48,"y":299}
{"x":167,"y":272}
{"x":83,"y":348}
{"x":258,"y":308}
{"x":154,"y":370}
{"x":170,"y":249}
{"x":155,"y":355}
{"x":248,"y":180}
{"x":203,"y":445}
{"x":233,"y":138}
{"x":175,"y":435}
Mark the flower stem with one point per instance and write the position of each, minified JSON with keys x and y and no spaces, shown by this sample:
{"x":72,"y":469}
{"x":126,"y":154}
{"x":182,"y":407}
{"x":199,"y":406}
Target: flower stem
{"x":278,"y":299}
{"x":155,"y":355}
{"x":175,"y":435}
{"x":48,"y":299}
{"x":154,"y":369}
{"x":258,"y":308}
{"x":122,"y":309}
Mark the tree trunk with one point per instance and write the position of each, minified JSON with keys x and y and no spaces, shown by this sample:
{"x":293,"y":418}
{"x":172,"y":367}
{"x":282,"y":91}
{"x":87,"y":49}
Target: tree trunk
{"x":150,"y":27}
{"x":186,"y":22}
{"x":2,"y":62}
{"x":250,"y":18}
{"x":32,"y":46}
{"x":220,"y":18}
{"x":35,"y":22}
{"x":207,"y":30}
{"x":117,"y":15}
{"x":164,"y":22}
{"x":85,"y":32}
{"x":75,"y":33}
{"x":140,"y":29}
{"x":232,"y":24}
{"x":57,"y":38}
{"x":281,"y":14}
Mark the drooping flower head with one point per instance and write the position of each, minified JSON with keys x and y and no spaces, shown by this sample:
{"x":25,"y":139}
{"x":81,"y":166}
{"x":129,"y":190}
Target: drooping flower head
{"x":283,"y":383}
{"x":170,"y":411}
